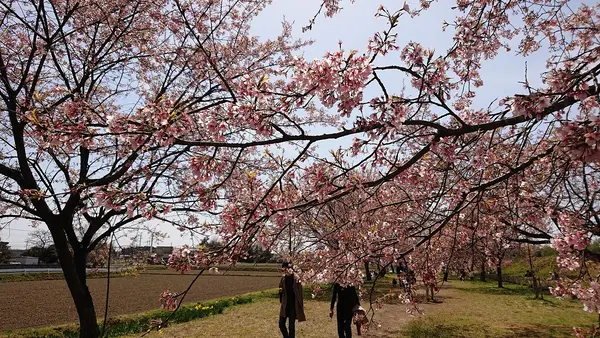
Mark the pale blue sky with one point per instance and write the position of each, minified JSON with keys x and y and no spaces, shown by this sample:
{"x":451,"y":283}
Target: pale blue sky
{"x":354,"y":25}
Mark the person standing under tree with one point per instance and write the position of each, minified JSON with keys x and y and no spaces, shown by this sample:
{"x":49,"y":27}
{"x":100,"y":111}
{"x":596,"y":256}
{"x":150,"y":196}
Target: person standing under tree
{"x":347,"y":299}
{"x":292,"y":304}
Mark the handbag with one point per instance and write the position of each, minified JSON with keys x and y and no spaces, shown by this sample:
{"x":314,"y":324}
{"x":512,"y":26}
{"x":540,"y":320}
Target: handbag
{"x":359,"y":317}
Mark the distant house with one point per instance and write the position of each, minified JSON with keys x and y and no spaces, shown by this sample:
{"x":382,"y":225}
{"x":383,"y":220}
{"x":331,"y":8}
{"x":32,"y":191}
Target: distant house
{"x":17,"y":252}
{"x":144,"y":251}
{"x":163,"y":250}
{"x":25,"y":260}
{"x":135,"y":251}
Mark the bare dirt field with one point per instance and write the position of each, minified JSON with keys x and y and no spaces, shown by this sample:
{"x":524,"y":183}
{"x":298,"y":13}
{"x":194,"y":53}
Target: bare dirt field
{"x":45,"y":303}
{"x":258,"y":273}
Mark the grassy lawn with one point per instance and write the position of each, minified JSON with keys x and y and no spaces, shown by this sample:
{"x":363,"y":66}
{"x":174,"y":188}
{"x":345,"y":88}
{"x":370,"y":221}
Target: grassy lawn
{"x":466,"y":309}
{"x":475,"y":309}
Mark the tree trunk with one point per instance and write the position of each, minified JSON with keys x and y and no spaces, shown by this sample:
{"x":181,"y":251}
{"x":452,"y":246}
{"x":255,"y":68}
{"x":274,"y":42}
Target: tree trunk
{"x":535,"y":287}
{"x":382,"y":270}
{"x":483,"y":272}
{"x":368,"y":271}
{"x":87,"y":313}
{"x":534,"y":280}
{"x":499,"y":275}
{"x":73,"y":267}
{"x":446,"y":273}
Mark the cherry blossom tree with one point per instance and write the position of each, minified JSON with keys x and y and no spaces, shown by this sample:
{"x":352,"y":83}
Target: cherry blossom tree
{"x":126,"y":111}
{"x":433,"y":155}
{"x":170,"y":110}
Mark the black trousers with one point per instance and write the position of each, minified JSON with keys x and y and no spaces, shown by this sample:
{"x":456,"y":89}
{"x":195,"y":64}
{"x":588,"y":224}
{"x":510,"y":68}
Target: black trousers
{"x":292,"y":324}
{"x":344,"y":324}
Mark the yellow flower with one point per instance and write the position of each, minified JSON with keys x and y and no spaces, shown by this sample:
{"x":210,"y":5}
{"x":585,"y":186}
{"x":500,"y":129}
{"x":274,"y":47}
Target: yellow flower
{"x":33,"y":117}
{"x":251,"y":174}
{"x":263,"y":79}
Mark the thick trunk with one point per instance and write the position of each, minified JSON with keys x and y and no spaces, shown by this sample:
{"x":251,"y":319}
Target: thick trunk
{"x":86,"y":310}
{"x":73,"y":267}
{"x":536,"y":287}
{"x":483,"y":272}
{"x":446,"y":272}
{"x":382,"y":270}
{"x":368,"y":271}
{"x":499,"y":275}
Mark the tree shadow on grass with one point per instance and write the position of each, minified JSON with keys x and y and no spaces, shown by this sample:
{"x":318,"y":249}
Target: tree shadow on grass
{"x":545,"y":301}
{"x":506,"y":291}
{"x":428,"y":328}
{"x":539,"y":331}
{"x":438,"y":299}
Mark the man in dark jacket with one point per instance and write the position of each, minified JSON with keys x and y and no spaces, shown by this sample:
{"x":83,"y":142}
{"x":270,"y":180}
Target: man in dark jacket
{"x":292,"y":303}
{"x":347,"y":299}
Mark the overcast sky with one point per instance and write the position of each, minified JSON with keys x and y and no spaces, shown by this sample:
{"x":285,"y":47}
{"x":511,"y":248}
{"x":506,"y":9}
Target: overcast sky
{"x":353,"y":26}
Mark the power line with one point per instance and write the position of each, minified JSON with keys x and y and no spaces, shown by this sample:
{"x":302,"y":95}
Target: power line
{"x":24,"y":230}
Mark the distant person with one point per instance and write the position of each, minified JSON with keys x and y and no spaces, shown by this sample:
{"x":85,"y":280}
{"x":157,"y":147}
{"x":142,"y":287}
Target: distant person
{"x":401,"y":273}
{"x":429,"y":281}
{"x":401,"y":267}
{"x":347,"y":299}
{"x":292,"y":304}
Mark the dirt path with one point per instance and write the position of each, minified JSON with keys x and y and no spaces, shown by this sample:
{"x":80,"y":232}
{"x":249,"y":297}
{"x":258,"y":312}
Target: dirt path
{"x":45,"y":303}
{"x":393,"y":317}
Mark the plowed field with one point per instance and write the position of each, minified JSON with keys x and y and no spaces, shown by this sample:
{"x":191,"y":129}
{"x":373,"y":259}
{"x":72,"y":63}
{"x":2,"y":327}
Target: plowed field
{"x":45,"y":303}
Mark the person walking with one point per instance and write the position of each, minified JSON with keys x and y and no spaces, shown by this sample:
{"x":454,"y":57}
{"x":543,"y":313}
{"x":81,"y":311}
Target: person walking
{"x":347,"y":299}
{"x":291,"y":302}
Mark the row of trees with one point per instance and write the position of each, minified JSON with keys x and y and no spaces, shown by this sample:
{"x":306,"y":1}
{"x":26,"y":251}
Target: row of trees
{"x":5,"y":254}
{"x":255,"y":254}
{"x":40,"y":244}
{"x":171,"y":110}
